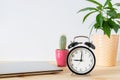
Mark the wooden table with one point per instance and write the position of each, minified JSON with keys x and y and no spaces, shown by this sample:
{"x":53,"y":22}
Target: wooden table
{"x":99,"y":73}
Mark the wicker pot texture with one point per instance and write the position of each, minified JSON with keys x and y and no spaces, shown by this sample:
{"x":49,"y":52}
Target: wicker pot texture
{"x":106,"y":49}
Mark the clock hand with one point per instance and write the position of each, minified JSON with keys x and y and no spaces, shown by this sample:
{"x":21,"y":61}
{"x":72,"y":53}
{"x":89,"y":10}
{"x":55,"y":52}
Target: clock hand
{"x":81,"y":58}
{"x":76,"y":59}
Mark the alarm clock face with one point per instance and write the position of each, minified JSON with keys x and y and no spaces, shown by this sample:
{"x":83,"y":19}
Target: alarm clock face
{"x":81,"y":60}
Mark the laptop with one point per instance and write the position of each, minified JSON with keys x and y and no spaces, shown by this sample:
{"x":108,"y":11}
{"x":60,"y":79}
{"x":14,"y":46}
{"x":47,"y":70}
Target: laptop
{"x":12,"y":69}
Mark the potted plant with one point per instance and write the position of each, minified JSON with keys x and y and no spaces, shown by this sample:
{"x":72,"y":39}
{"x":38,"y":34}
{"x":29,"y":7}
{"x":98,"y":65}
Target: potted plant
{"x":61,"y":53}
{"x":106,"y":20}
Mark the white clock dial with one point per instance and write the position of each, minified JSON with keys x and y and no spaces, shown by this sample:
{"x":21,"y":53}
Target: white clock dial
{"x":81,"y":60}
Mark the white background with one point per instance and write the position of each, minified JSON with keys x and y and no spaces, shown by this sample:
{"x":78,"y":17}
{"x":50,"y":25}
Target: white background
{"x":30,"y":29}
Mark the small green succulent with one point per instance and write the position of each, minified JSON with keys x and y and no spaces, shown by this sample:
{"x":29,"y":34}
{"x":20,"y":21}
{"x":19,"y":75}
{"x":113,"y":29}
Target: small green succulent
{"x":62,"y":42}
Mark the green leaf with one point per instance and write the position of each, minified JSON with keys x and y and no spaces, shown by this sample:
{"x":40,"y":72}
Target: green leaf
{"x":99,"y":7}
{"x":110,"y":8}
{"x":117,"y":16}
{"x":99,"y":20}
{"x":96,"y":25}
{"x":106,"y":29}
{"x":88,"y":8}
{"x":88,"y":15}
{"x":95,"y":2}
{"x":106,"y":3}
{"x":117,"y":4}
{"x":112,"y":13}
{"x":116,"y":28}
{"x":113,"y":25}
{"x":110,"y":5}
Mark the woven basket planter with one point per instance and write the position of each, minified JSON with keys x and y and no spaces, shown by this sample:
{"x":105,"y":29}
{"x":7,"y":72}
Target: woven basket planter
{"x":106,"y":49}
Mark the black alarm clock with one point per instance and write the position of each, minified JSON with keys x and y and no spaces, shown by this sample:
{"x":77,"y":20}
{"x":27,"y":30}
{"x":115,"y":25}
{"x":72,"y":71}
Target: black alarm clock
{"x":81,"y":59}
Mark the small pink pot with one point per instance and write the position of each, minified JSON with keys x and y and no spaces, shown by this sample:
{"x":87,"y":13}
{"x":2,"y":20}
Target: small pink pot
{"x":61,"y":56}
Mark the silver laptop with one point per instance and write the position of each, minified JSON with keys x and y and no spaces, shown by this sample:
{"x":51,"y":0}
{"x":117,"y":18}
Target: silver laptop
{"x":10,"y":69}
